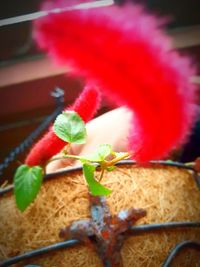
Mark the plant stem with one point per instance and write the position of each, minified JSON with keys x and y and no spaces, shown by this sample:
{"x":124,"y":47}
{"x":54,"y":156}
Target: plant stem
{"x":63,"y":157}
{"x":60,"y":158}
{"x":115,"y":160}
{"x":103,"y":165}
{"x":102,"y":173}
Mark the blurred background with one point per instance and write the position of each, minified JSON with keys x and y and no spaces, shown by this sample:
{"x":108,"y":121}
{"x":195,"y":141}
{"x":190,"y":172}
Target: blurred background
{"x":27,"y":77}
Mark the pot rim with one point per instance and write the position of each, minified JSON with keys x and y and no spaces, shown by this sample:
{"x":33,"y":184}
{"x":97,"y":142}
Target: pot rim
{"x":154,"y":163}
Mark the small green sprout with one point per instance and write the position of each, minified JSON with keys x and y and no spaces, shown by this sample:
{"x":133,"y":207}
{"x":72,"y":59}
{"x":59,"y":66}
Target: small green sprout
{"x":69,"y":127}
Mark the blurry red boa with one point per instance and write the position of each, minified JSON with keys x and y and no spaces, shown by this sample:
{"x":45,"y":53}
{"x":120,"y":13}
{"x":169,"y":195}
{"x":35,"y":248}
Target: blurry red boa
{"x":125,"y":53}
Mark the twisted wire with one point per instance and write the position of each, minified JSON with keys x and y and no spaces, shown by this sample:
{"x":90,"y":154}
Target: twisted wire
{"x":58,"y":94}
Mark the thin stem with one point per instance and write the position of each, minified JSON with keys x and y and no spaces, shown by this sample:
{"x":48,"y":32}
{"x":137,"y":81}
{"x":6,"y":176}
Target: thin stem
{"x":59,"y":158}
{"x":102,"y":173}
{"x":115,"y":160}
{"x":64,"y":157}
{"x":66,"y":149}
{"x":105,"y":163}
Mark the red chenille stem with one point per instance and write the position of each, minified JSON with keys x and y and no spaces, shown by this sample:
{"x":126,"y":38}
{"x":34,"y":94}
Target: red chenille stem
{"x":127,"y":54}
{"x":86,"y":106}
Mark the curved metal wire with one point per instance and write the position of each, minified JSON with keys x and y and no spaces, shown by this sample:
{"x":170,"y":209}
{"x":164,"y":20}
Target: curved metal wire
{"x":135,"y":230}
{"x":176,"y":250}
{"x":38,"y":252}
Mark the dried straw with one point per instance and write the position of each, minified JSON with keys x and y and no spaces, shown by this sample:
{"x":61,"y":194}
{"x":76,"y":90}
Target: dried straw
{"x":167,"y":193}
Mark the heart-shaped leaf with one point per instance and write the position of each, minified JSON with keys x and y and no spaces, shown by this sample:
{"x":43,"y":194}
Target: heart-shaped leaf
{"x":70,"y":127}
{"x":27,"y":183}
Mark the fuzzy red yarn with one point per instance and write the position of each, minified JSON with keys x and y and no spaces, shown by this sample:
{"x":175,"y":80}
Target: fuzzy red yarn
{"x":126,"y":53}
{"x":86,"y":106}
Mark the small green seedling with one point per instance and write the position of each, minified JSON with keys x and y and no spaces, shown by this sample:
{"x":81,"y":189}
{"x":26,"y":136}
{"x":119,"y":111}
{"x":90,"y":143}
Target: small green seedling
{"x":70,"y":128}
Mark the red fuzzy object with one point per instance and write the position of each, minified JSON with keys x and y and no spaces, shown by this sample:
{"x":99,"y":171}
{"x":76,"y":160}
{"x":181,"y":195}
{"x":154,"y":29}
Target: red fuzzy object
{"x":86,"y":106}
{"x":124,"y":51}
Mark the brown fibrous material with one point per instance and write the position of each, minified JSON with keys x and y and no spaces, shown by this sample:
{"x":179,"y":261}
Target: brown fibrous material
{"x":167,"y":193}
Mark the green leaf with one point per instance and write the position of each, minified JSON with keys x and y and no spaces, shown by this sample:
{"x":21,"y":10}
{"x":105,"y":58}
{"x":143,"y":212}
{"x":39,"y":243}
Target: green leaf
{"x":95,"y":188}
{"x":27,"y":183}
{"x":100,"y":154}
{"x":70,"y":128}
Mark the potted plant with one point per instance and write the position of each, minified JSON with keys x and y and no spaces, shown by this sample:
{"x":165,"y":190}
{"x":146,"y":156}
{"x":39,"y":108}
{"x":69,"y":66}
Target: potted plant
{"x":136,"y":67}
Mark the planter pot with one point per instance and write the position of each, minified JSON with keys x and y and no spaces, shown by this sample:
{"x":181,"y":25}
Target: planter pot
{"x":167,"y":193}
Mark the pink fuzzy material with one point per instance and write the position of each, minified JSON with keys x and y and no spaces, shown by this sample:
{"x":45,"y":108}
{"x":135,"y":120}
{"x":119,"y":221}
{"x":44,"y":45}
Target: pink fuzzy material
{"x":124,"y":51}
{"x":49,"y":145}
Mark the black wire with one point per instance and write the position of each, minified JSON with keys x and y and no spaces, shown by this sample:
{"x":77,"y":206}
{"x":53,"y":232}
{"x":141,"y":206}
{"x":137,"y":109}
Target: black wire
{"x":136,"y":230}
{"x":28,"y":141}
{"x":139,"y":229}
{"x":40,"y":251}
{"x":176,"y":250}
{"x":58,"y":94}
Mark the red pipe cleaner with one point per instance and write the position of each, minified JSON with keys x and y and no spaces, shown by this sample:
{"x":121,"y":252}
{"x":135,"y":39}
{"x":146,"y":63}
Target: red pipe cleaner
{"x":85,"y":105}
{"x":126,"y":53}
